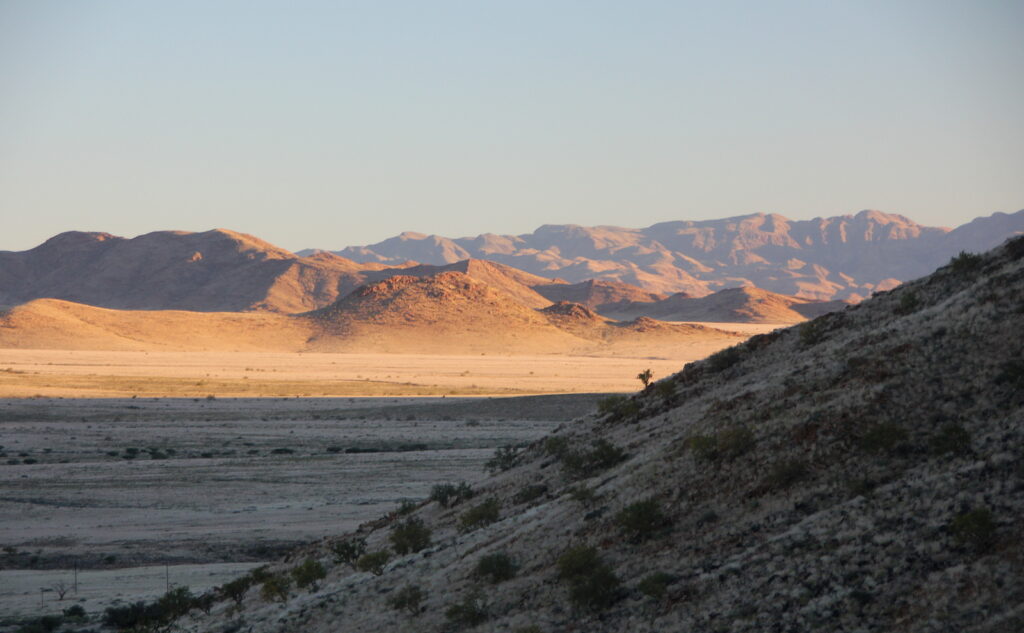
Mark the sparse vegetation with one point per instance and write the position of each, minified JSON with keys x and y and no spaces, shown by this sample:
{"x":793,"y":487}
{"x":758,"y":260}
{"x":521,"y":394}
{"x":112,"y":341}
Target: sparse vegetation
{"x":495,"y":568}
{"x":965,"y":263}
{"x":642,"y":520}
{"x":583,"y":495}
{"x":883,"y":437}
{"x":724,"y":359}
{"x":237,"y":588}
{"x":449,"y":495}
{"x":529,"y":493}
{"x":504,"y":459}
{"x":483,"y":514}
{"x":309,"y":574}
{"x":727,"y":444}
{"x":373,"y":562}
{"x":951,"y":439}
{"x":472,"y":611}
{"x":785,"y":473}
{"x":812,"y":332}
{"x":581,"y":464}
{"x":275,"y":587}
{"x":975,"y":529}
{"x":656,"y":585}
{"x":619,"y":409}
{"x":349,"y":551}
{"x":408,"y":598}
{"x":410,"y":536}
{"x":909,"y":303}
{"x":645,"y":377}
{"x":592,"y":584}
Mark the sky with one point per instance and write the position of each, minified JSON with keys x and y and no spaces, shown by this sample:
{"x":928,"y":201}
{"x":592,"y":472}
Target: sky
{"x":326,"y":124}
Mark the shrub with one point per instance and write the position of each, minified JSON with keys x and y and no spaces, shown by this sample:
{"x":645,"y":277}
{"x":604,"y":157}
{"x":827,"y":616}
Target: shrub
{"x":618,"y":408}
{"x":504,"y":459}
{"x":642,"y":520}
{"x":909,"y":303}
{"x":496,"y":568}
{"x":975,"y":529}
{"x":348,"y":551}
{"x":727,"y":444}
{"x":582,"y":464}
{"x":308,"y":574}
{"x":484,"y":514}
{"x":965,"y":263}
{"x":448,"y":495}
{"x":583,"y":495}
{"x":656,"y":585}
{"x":529,"y":493}
{"x":410,"y":536}
{"x":407,"y":598}
{"x":132,"y":616}
{"x":44,"y":624}
{"x":812,"y":332}
{"x":175,"y":603}
{"x":666,"y":390}
{"x":275,"y":587}
{"x":374,"y":562}
{"x":724,"y":359}
{"x":952,"y":438}
{"x":592,"y":584}
{"x":556,"y":446}
{"x":787,"y":472}
{"x":883,"y":437}
{"x":75,"y":611}
{"x":204,"y":602}
{"x":645,"y":377}
{"x":472,"y":611}
{"x":237,"y":588}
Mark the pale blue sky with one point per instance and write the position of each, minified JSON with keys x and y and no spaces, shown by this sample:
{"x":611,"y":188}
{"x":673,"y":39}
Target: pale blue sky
{"x":325,"y":124}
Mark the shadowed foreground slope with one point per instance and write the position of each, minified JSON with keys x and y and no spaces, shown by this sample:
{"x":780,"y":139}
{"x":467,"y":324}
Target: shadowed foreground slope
{"x":861,"y":472}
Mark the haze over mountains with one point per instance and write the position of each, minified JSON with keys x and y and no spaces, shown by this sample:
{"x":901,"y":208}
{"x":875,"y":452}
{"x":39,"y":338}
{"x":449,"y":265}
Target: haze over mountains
{"x":844,"y":257}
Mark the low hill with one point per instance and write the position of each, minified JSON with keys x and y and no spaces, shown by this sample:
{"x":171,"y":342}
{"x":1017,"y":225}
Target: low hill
{"x":598,"y":294}
{"x":859,"y":472}
{"x":733,"y":305}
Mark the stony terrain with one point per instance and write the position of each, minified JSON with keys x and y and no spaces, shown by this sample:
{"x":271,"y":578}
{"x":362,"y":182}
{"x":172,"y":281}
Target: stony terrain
{"x":844,"y":257}
{"x":736,"y":305}
{"x":861,"y":472}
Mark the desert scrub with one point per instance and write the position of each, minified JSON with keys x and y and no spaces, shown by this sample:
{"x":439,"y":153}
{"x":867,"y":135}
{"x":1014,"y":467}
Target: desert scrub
{"x":478,"y":516}
{"x":909,"y":303}
{"x":349,"y":551}
{"x":812,"y":332}
{"x":656,"y":585}
{"x":275,"y":587}
{"x":642,"y":520}
{"x":448,"y":495}
{"x":472,"y":611}
{"x":495,"y":568}
{"x":556,"y":446}
{"x":975,"y":529}
{"x":504,"y":459}
{"x":965,"y":263}
{"x":410,"y":536}
{"x":529,"y":493}
{"x":724,"y":359}
{"x":581,"y":464}
{"x":408,"y":599}
{"x":592,"y":584}
{"x":727,"y":444}
{"x":373,"y":562}
{"x":618,"y":409}
{"x":236,"y":589}
{"x":308,"y":574}
{"x":951,"y":439}
{"x":583,"y":495}
{"x":883,"y":437}
{"x":785,"y":473}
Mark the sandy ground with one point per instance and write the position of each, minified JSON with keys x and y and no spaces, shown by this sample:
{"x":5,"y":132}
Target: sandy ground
{"x":224,"y":481}
{"x":61,"y":373}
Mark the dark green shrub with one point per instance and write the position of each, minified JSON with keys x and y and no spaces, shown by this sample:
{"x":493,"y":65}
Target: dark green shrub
{"x":909,"y":302}
{"x":373,"y":562}
{"x":581,"y":464}
{"x":406,"y":507}
{"x":237,"y":588}
{"x":308,"y":574}
{"x":407,"y":598}
{"x":965,"y":263}
{"x":204,"y":602}
{"x":448,"y":495}
{"x":883,"y":437}
{"x":583,"y":495}
{"x":975,"y":529}
{"x":812,"y":332}
{"x":642,"y":520}
{"x":472,"y":611}
{"x":484,"y":514}
{"x":529,"y":493}
{"x":75,"y":611}
{"x":619,"y":409}
{"x":44,"y":624}
{"x":952,"y":438}
{"x":137,"y":615}
{"x":592,"y":584}
{"x":666,"y":390}
{"x":556,"y":446}
{"x":724,"y":359}
{"x":348,"y":551}
{"x":656,"y":585}
{"x":410,"y":536}
{"x":504,"y":459}
{"x":787,"y":472}
{"x":645,"y":377}
{"x":496,"y":568}
{"x":275,"y":587}
{"x":175,"y":603}
{"x":727,"y":444}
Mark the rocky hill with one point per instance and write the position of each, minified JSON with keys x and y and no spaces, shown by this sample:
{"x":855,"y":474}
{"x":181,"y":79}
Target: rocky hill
{"x":859,"y":472}
{"x":732,"y":305}
{"x":844,"y":257}
{"x":598,"y":294}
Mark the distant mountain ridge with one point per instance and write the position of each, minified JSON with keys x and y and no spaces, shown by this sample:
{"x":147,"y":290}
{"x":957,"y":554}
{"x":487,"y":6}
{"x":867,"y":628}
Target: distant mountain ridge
{"x":844,"y":257}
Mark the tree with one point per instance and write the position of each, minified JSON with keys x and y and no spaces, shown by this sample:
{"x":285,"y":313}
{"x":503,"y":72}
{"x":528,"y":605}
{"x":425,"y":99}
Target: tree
{"x":645,"y":377}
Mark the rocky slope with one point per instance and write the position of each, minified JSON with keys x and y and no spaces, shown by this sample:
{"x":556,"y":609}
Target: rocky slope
{"x":860,"y":472}
{"x":732,"y":305}
{"x":844,"y":257}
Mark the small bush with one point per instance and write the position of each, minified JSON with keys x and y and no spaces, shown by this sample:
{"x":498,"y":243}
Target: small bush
{"x":472,"y":611}
{"x":583,"y":495}
{"x":448,"y":495}
{"x":75,"y":611}
{"x":975,"y":529}
{"x":175,"y":603}
{"x":656,"y":585}
{"x":787,"y":472}
{"x":44,"y":624}
{"x":237,"y":588}
{"x":407,"y":598}
{"x":556,"y":446}
{"x":965,"y":263}
{"x":529,"y":493}
{"x":883,"y":437}
{"x":592,"y":584}
{"x":581,"y":464}
{"x":619,"y":409}
{"x":348,"y":551}
{"x":410,"y":536}
{"x":666,"y":390}
{"x":308,"y":574}
{"x":642,"y":520}
{"x":812,"y":332}
{"x":495,"y":568}
{"x":909,"y":303}
{"x":484,"y":514}
{"x":727,"y":444}
{"x":275,"y":587}
{"x":373,"y":562}
{"x":504,"y":459}
{"x":205,"y":602}
{"x":952,"y":438}
{"x":724,"y":359}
